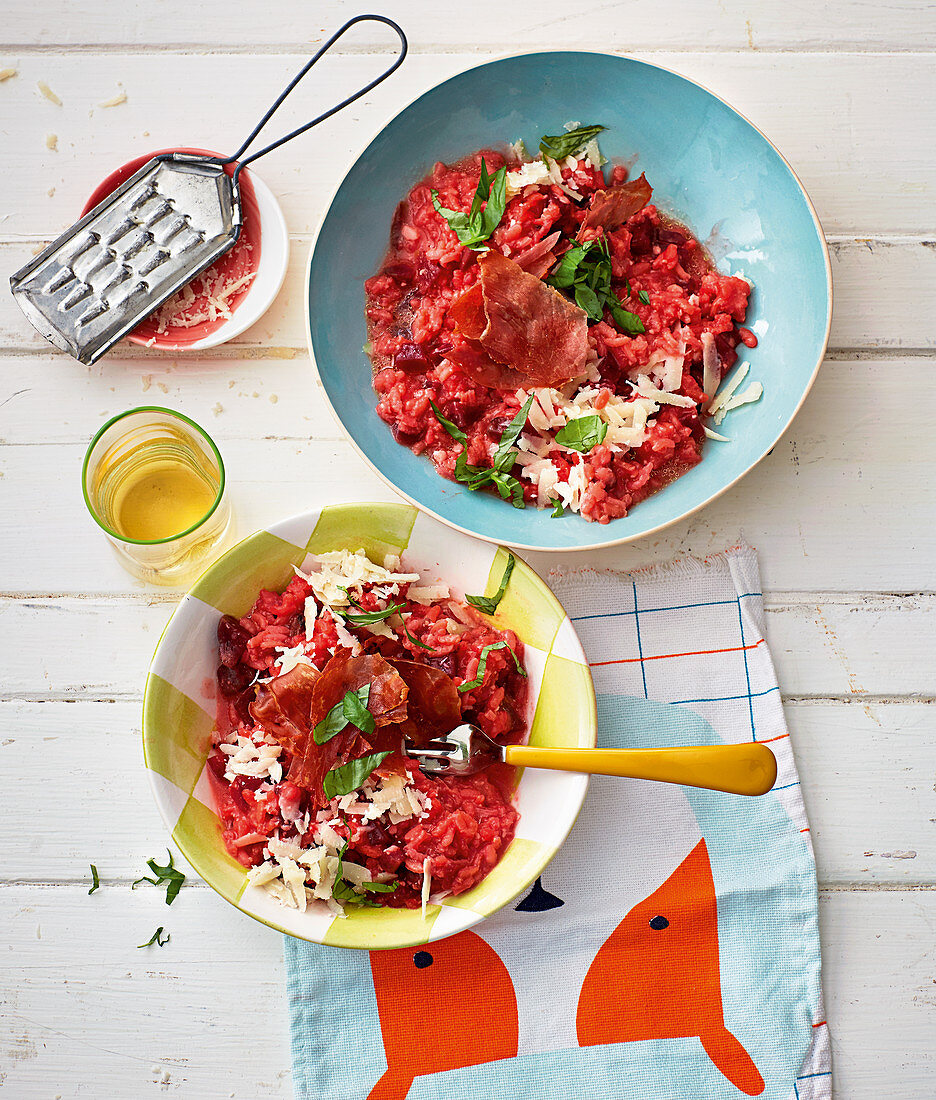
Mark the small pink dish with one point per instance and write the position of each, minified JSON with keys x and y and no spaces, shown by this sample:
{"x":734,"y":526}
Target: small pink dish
{"x":236,"y":290}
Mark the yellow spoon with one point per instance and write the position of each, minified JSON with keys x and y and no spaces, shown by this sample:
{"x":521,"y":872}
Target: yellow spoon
{"x":749,"y":768}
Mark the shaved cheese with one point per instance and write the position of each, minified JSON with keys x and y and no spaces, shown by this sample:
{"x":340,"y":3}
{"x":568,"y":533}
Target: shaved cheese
{"x":264,"y":873}
{"x":341,"y":570}
{"x":428,"y":593}
{"x":533,"y":172}
{"x":711,"y":367}
{"x":290,"y":657}
{"x":346,"y":638}
{"x":754,"y":392}
{"x":115,"y":100}
{"x":728,"y":389}
{"x":310,"y":614}
{"x":48,"y":93}
{"x":426,"y":885}
{"x":5,"y":74}
{"x":646,"y":388}
{"x":714,"y":435}
{"x":51,"y":142}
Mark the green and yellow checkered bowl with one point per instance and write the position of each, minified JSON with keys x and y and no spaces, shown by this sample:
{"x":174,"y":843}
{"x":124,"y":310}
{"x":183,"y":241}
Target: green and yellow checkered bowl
{"x":179,"y":710}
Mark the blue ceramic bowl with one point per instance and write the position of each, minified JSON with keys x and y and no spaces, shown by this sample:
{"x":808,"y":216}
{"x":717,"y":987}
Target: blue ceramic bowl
{"x":709,"y":167}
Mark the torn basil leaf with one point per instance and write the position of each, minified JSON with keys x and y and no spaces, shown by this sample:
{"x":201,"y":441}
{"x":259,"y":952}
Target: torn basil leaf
{"x":453,"y":430}
{"x":482,"y":665}
{"x":488,"y":604}
{"x":583,"y":433}
{"x":167,"y":876}
{"x":558,"y":146}
{"x":95,"y":881}
{"x":477,"y":225}
{"x":416,"y":641}
{"x":559,"y":510}
{"x":644,"y":297}
{"x":510,"y":436}
{"x":155,"y":938}
{"x":348,"y":777}
{"x":353,"y":709}
{"x":366,"y":618}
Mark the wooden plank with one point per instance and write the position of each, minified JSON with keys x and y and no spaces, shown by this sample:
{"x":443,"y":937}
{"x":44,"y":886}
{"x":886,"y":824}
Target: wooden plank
{"x":829,"y":138}
{"x":896,"y":268}
{"x":831,"y":474}
{"x":869,"y":825}
{"x":253,"y":25}
{"x":115,"y":1021}
{"x":827,"y":645}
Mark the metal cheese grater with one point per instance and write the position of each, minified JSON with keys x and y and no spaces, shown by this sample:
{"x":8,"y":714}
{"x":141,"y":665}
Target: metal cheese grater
{"x":146,"y":240}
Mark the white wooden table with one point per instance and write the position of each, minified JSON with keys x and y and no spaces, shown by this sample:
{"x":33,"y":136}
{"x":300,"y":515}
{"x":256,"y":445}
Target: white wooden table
{"x":842,"y":511}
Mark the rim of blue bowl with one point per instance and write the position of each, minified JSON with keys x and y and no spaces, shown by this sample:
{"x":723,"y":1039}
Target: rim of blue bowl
{"x":609,"y":542}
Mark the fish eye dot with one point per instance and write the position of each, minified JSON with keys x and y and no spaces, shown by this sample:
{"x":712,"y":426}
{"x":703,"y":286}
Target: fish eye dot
{"x":422,"y":959}
{"x":658,"y":924}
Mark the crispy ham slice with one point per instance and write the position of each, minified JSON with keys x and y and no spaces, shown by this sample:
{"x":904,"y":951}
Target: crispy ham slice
{"x":529,"y":328}
{"x":386,"y":702}
{"x":434,"y":707}
{"x":282,"y":706}
{"x":611,"y":208}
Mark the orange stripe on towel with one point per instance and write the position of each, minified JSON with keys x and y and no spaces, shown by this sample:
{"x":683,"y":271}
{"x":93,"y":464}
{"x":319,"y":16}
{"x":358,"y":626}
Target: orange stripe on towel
{"x":664,"y":656}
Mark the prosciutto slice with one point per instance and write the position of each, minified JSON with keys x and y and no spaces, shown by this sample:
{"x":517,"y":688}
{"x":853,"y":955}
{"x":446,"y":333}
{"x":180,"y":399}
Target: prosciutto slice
{"x":282,"y":707}
{"x":528,"y":327}
{"x":434,"y":707}
{"x":386,"y":702}
{"x":611,"y":208}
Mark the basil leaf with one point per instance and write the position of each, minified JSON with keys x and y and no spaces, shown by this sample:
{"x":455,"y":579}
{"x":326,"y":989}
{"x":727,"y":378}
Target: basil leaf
{"x":380,"y":887}
{"x":369,"y":617}
{"x":583,"y":433}
{"x":488,"y":604}
{"x":623,"y":318}
{"x":587,"y":299}
{"x":355,"y":709}
{"x":453,"y":430}
{"x":477,"y":225}
{"x":95,"y":881}
{"x":644,"y":297}
{"x":346,"y":893}
{"x":350,"y":776}
{"x":559,"y":146}
{"x":559,"y":511}
{"x":564,"y":273}
{"x":416,"y":641}
{"x":155,"y":939}
{"x":167,"y":876}
{"x":510,"y":435}
{"x":482,"y":665}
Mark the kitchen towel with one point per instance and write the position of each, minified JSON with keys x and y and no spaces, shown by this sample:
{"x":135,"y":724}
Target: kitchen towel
{"x":670,"y":951}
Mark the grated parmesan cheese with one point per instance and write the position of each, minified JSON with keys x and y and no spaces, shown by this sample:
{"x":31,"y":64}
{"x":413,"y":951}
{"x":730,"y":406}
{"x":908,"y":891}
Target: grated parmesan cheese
{"x":51,"y":142}
{"x":342,"y":570}
{"x":115,"y":100}
{"x":47,"y":93}
{"x":426,"y":885}
{"x":5,"y":74}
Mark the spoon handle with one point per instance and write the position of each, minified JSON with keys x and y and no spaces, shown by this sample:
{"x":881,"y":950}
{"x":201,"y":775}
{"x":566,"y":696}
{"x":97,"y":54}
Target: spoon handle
{"x":749,"y":768}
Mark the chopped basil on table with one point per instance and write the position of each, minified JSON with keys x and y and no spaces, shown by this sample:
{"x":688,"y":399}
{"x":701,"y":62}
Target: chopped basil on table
{"x":95,"y":881}
{"x":477,"y":477}
{"x":352,"y":709}
{"x":482,"y":665}
{"x":155,"y":938}
{"x":167,"y":876}
{"x":488,"y":604}
{"x":348,"y":777}
{"x":559,"y":146}
{"x":477,"y":225}
{"x":583,"y":433}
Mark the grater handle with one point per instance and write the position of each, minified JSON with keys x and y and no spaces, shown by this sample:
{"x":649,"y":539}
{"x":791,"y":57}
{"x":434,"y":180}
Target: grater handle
{"x":327,"y":114}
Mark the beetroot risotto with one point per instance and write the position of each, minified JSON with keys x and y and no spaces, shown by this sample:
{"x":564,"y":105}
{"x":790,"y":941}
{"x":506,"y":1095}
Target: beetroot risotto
{"x":317,"y":687}
{"x":550,"y":335}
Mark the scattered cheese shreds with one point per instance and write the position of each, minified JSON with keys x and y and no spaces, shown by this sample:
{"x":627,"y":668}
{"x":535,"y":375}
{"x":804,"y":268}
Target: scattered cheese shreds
{"x":51,"y":142}
{"x":5,"y":74}
{"x":714,"y":435}
{"x":48,"y":93}
{"x":115,"y":100}
{"x":426,"y":885}
{"x":727,"y":390}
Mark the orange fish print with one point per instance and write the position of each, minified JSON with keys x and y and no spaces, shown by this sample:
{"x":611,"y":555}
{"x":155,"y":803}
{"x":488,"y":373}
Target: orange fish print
{"x":657,"y":975}
{"x":448,"y":1005}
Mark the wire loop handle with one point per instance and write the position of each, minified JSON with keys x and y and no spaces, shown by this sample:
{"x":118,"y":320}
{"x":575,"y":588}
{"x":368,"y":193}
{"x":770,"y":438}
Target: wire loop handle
{"x":327,"y":114}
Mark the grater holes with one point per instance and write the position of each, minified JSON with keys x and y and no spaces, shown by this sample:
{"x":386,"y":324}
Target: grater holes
{"x":81,"y":291}
{"x":156,"y":259}
{"x":63,"y":278}
{"x":89,"y":315}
